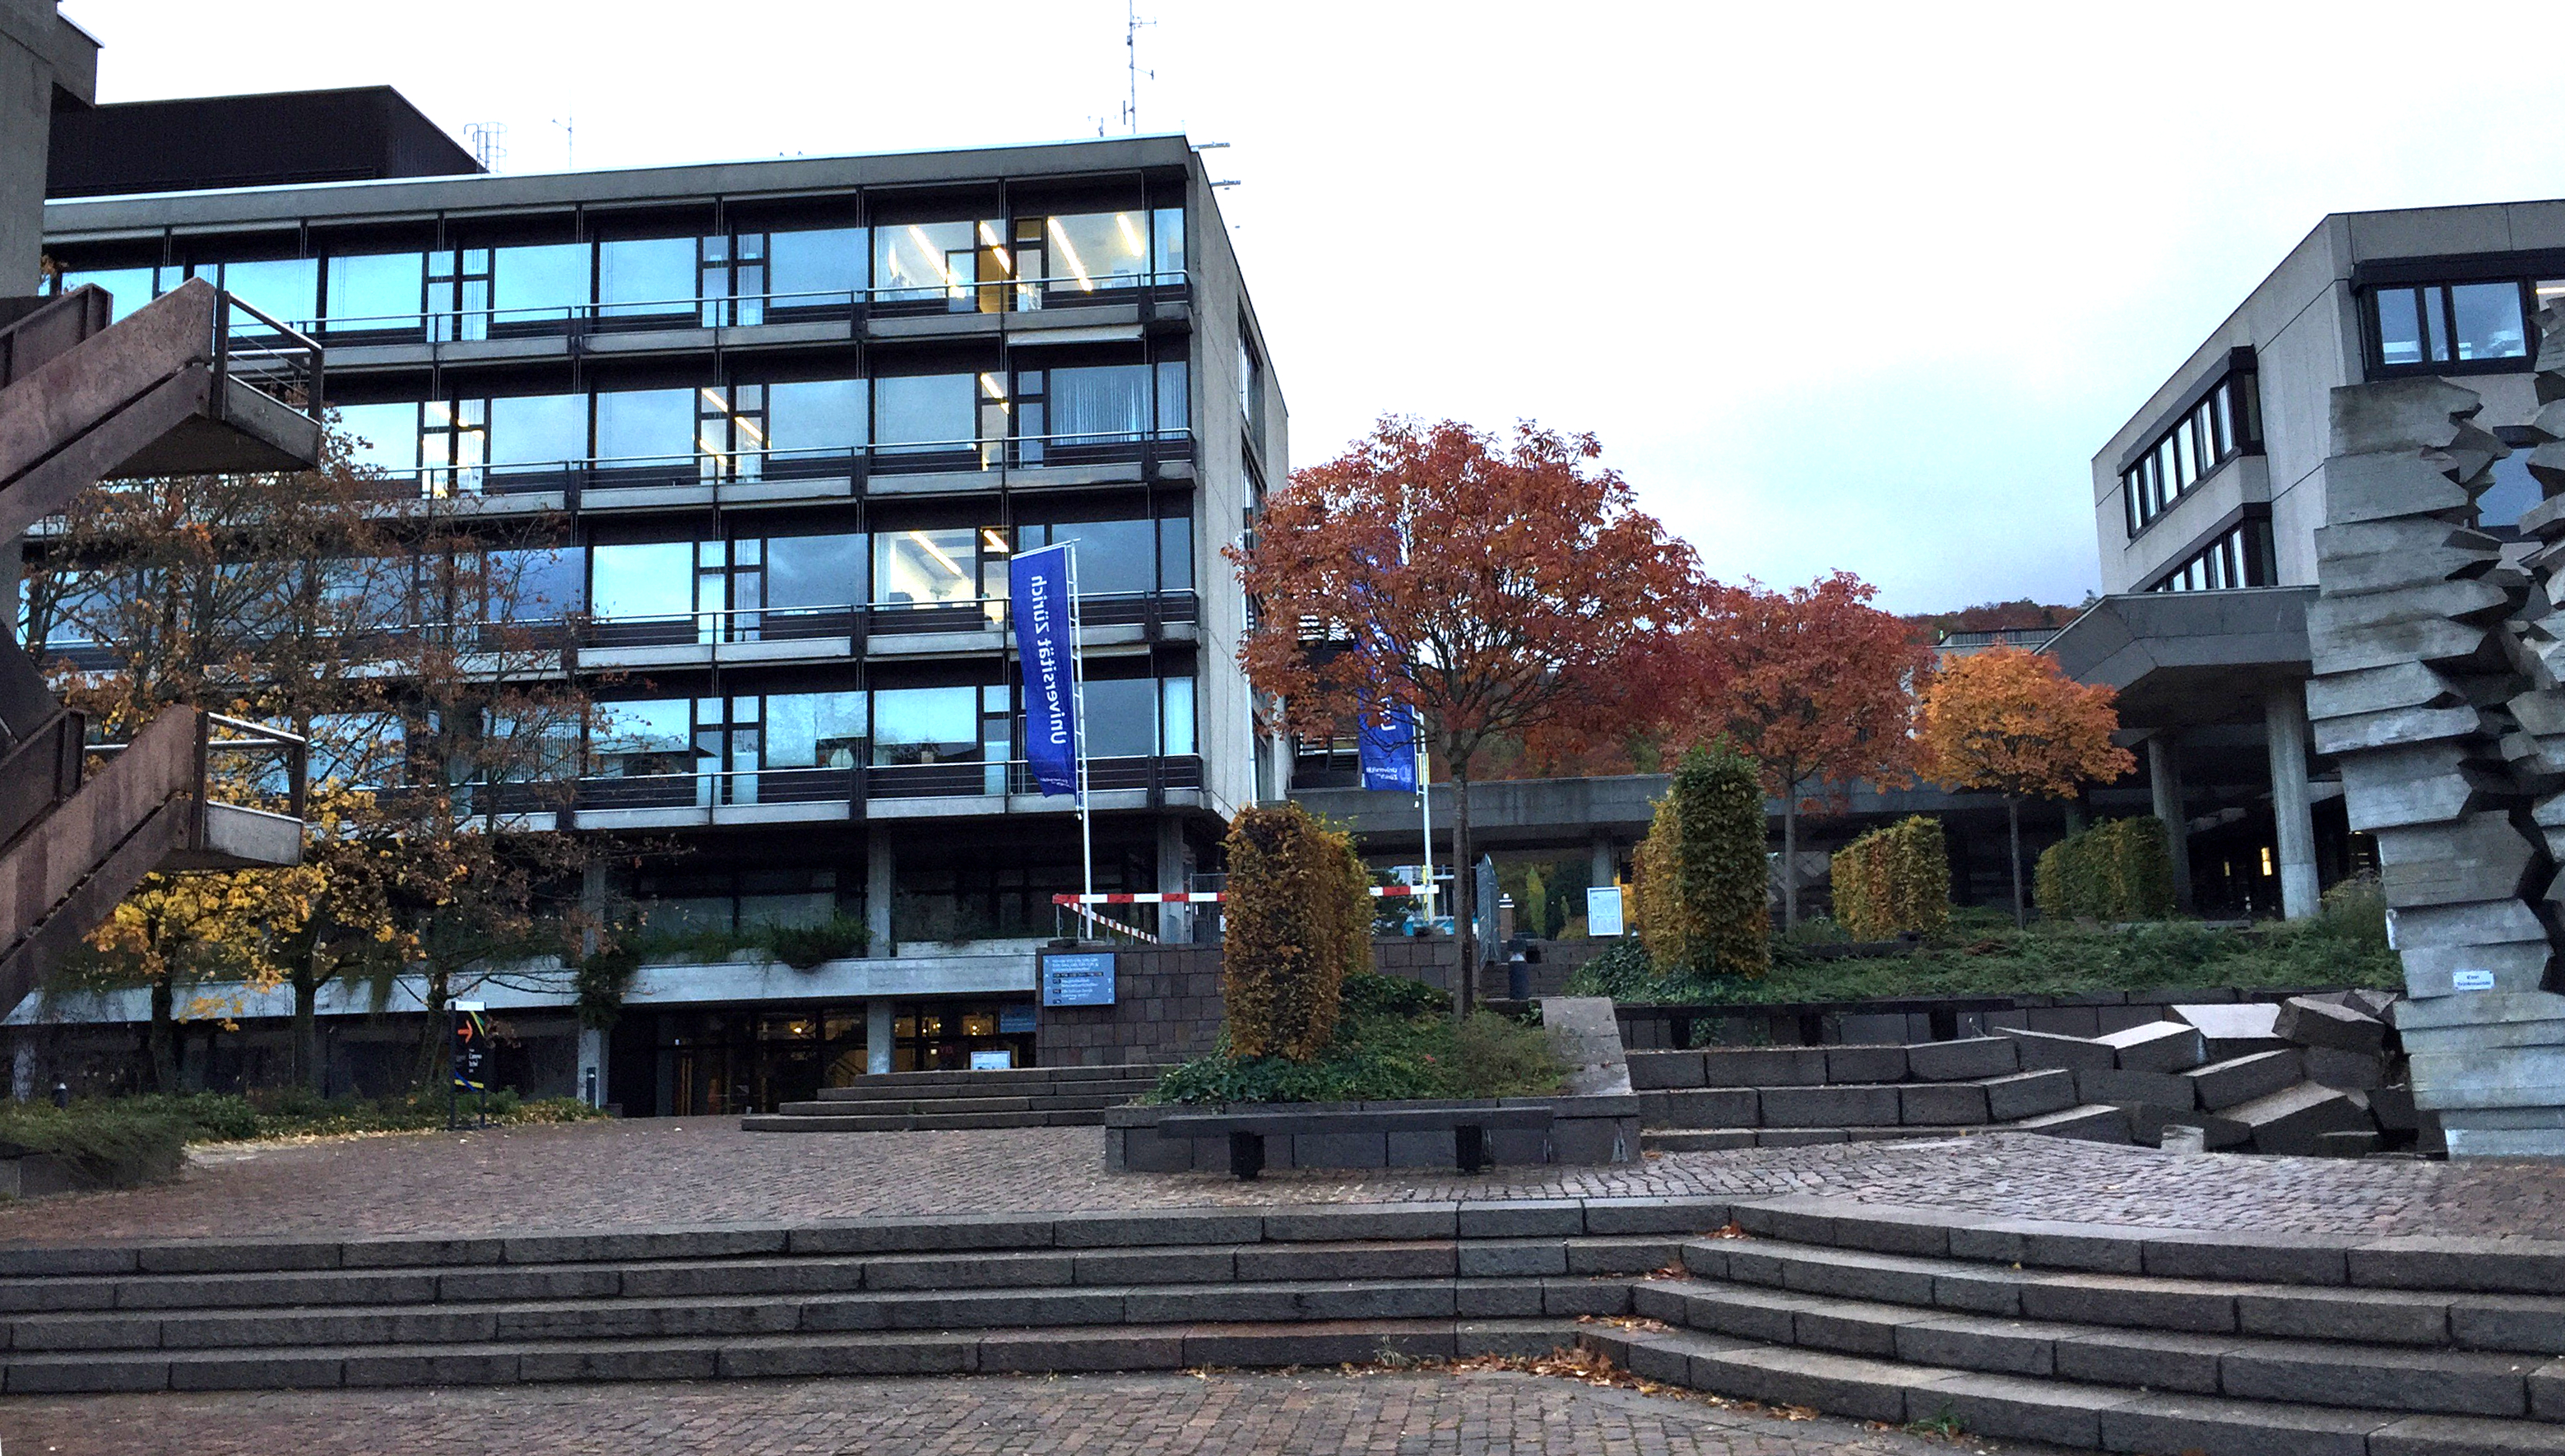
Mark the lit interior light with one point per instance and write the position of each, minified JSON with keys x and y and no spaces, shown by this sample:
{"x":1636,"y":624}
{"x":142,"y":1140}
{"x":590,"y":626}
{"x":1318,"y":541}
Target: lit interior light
{"x":437,"y":411}
{"x":997,"y":543}
{"x":1069,"y":254}
{"x":937,"y":552}
{"x":748,"y":427}
{"x":1130,"y":235}
{"x":2266,"y":860}
{"x":997,"y":391}
{"x":715,"y":400}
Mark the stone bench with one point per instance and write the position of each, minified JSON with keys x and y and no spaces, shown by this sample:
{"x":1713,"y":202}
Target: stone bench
{"x":1247,"y":1131}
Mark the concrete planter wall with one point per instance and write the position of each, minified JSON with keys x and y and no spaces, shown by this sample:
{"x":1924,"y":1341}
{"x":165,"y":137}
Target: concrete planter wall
{"x":1583,"y":1130}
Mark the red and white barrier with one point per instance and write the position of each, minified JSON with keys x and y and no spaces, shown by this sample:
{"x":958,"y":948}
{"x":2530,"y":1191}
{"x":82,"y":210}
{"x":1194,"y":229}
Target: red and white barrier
{"x":1202,"y":897}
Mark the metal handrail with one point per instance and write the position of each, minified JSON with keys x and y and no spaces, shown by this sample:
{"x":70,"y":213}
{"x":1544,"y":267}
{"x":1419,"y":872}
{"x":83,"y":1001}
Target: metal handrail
{"x":257,"y":368}
{"x":1045,"y":288}
{"x":250,"y":738}
{"x":447,"y":482}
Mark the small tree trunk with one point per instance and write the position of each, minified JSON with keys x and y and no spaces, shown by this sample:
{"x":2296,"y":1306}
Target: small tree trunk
{"x":2012,"y":817}
{"x":1464,"y":893}
{"x":163,"y":1039}
{"x":308,"y":1071}
{"x":432,"y":1044}
{"x":1790,"y":856}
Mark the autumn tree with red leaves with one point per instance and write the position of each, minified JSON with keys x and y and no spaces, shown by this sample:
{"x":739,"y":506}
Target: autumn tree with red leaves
{"x":1818,"y":688}
{"x":1499,"y":588}
{"x":2008,"y":720}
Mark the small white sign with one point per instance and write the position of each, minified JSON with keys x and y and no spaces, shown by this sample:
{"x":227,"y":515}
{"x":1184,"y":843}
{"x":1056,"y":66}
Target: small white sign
{"x":998,"y":1061}
{"x":1603,"y":911}
{"x":2470,"y":980}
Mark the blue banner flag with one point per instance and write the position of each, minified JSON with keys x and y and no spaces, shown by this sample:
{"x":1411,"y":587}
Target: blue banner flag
{"x":1388,"y":743}
{"x":1039,"y":583}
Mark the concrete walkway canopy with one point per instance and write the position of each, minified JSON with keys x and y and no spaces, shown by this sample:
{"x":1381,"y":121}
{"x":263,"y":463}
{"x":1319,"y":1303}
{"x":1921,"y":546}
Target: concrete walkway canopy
{"x":2189,"y":659}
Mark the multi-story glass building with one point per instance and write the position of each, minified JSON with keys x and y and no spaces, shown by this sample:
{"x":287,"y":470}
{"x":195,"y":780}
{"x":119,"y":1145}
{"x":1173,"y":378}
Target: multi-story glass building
{"x":2206,"y":503}
{"x":782,"y":423}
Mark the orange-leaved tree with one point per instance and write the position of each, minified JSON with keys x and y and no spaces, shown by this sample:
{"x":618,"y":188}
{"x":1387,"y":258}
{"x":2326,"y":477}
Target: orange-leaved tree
{"x":2008,"y":720}
{"x":1499,"y":589}
{"x":1818,"y":686}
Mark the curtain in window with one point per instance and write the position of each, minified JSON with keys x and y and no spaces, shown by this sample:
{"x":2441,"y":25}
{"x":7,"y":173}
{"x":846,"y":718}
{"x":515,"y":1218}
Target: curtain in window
{"x":1100,"y":404}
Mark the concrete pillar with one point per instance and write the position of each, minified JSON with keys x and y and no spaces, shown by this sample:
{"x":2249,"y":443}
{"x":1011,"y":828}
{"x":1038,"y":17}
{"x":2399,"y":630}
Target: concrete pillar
{"x":877,"y":1023}
{"x":1605,"y":860}
{"x":881,"y":883}
{"x":2163,"y":776}
{"x":592,"y":1068}
{"x":2284,"y":719}
{"x":1175,"y":875}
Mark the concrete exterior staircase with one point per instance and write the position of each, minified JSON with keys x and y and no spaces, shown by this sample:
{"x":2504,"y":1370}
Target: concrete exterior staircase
{"x":1022,"y":1097}
{"x":1790,"y":1096}
{"x":2118,"y":1339}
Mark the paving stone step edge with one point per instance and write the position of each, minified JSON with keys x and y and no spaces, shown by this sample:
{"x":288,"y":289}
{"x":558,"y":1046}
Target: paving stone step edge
{"x":2062,"y":1413}
{"x":144,"y":1297}
{"x":2497,"y":1384}
{"x":64,"y":1336}
{"x":914,"y":1121}
{"x":1057,"y":1348}
{"x":1934,"y":1287}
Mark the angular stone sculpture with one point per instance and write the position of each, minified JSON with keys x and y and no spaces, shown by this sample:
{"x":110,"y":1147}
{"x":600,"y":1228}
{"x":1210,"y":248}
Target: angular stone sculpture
{"x":2439,"y":688}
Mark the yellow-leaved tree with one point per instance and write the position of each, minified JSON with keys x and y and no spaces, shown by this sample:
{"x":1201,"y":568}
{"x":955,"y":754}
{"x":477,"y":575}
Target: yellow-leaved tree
{"x":2009,"y":721}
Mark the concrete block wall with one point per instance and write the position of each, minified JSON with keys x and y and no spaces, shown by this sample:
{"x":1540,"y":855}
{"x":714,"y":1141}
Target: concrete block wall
{"x":1166,"y":1008}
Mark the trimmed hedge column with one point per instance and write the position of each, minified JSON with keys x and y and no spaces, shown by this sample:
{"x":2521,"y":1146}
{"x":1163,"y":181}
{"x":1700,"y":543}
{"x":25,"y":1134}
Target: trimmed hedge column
{"x":1704,"y":883}
{"x":1894,"y":881}
{"x":1299,"y":920}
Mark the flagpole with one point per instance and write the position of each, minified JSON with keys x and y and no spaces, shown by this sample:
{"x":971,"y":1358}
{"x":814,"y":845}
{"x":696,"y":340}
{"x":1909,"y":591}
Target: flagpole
{"x":1078,"y":693}
{"x":1425,"y":797}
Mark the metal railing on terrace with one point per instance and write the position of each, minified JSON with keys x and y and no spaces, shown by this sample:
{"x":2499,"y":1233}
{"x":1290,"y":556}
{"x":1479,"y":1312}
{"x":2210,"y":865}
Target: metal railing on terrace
{"x":976,"y":778}
{"x":276,"y":359}
{"x":726,"y":311}
{"x":571,"y":478}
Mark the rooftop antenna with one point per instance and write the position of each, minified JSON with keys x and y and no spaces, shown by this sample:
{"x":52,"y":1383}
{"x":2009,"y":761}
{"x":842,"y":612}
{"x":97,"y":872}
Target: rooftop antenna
{"x":1131,"y":24}
{"x":489,"y":142}
{"x":570,"y":142}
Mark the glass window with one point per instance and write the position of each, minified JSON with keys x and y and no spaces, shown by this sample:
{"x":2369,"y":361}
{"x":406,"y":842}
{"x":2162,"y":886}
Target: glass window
{"x":1096,"y":250}
{"x":2489,"y":320}
{"x":924,"y":565}
{"x":1168,"y":223}
{"x":645,"y":276}
{"x":2399,"y":326}
{"x":646,"y":424}
{"x":2514,"y":491}
{"x":2185,"y":463}
{"x":547,"y":281}
{"x":926,"y":725}
{"x":651,"y":578}
{"x":1175,"y":397}
{"x":815,"y":571}
{"x":654,"y":736}
{"x":537,"y":430}
{"x":1099,"y":402}
{"x":1112,"y":556}
{"x":287,"y":290}
{"x":382,"y":435}
{"x":1176,"y":553}
{"x":539,"y":582}
{"x":1176,"y":716}
{"x":820,"y":261}
{"x":924,"y":259}
{"x":924,"y":410}
{"x":355,"y":750}
{"x":377,"y":289}
{"x":1121,"y":717}
{"x":816,"y":414}
{"x":814,"y":730}
{"x":127,"y":288}
{"x":366,"y":591}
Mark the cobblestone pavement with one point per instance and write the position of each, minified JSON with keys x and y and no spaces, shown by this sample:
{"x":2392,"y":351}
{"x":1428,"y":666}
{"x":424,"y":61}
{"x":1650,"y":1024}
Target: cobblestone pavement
{"x":648,"y":1171}
{"x":1445,"y":1414}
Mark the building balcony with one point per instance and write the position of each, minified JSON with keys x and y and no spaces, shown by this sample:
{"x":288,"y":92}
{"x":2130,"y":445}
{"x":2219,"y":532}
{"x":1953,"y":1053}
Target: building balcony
{"x":786,"y":477}
{"x":1065,"y":311}
{"x":826,"y":795}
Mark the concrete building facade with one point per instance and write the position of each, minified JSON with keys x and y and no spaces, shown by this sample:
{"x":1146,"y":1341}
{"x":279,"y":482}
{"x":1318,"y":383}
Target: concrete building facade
{"x":782,"y":424}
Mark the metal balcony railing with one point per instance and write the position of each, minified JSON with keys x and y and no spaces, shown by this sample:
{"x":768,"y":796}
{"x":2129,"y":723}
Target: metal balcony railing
{"x":571,"y":478}
{"x":725,"y":311}
{"x":823,"y":785}
{"x":279,"y":362}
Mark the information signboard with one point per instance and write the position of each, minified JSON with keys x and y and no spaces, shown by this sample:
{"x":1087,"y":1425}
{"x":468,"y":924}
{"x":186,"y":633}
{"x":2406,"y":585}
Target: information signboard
{"x":1083,"y":979}
{"x":1603,"y":910}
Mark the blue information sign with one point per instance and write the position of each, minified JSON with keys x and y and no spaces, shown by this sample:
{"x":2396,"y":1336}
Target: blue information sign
{"x":1084,"y":979}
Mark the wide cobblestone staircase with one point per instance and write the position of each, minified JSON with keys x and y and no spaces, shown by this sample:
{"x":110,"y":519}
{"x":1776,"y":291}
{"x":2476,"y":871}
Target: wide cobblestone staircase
{"x":2118,"y":1339}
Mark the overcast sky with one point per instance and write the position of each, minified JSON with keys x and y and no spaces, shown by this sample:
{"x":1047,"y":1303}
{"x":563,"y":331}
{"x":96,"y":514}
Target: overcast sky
{"x":1838,"y":286}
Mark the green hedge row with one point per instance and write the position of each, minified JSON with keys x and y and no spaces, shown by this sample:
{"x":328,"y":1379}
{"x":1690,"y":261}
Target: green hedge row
{"x":2119,"y":869}
{"x":1894,"y":881}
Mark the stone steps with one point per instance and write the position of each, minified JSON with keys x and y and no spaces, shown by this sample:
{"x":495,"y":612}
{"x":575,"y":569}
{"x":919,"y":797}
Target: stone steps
{"x":911,"y":1102}
{"x":1066,"y":1348}
{"x":2116,"y":1337}
{"x":2062,"y":1413}
{"x":835,"y":1122}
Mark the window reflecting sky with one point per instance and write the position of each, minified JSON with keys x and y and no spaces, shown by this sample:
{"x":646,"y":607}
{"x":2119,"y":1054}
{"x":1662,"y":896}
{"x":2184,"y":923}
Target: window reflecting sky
{"x":1933,"y":311}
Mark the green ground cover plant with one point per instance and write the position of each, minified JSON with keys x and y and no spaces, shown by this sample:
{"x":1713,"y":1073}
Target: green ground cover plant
{"x":1979,"y":953}
{"x":125,"y":1142}
{"x":1394,"y":1039}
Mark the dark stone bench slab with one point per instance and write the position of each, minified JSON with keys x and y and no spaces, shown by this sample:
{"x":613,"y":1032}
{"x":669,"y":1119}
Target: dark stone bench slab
{"x":1247,"y":1138}
{"x":1467,"y":1126}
